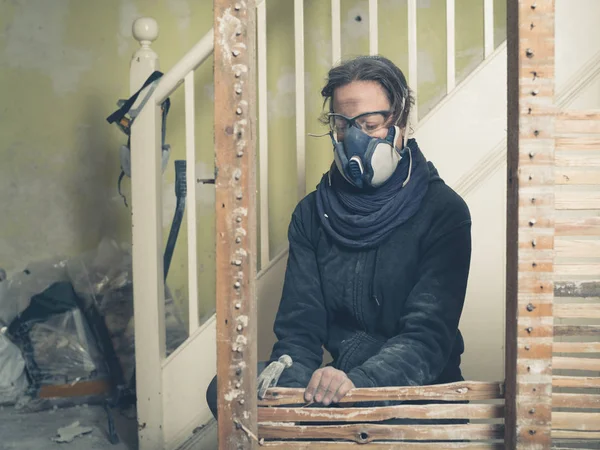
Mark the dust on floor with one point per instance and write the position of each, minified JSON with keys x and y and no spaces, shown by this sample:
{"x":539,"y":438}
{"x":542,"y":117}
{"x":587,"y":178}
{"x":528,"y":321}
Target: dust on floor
{"x":34,"y":431}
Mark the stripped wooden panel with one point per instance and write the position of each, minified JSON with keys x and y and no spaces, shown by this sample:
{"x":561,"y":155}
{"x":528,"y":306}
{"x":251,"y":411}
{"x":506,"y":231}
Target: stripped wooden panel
{"x":576,"y":421}
{"x":577,"y":248}
{"x":577,"y":200}
{"x":577,"y":330}
{"x":377,"y":414}
{"x":366,"y":433}
{"x":575,"y":311}
{"x":235,"y":203}
{"x":578,"y":143}
{"x":576,"y":347}
{"x":576,"y":176}
{"x":578,"y":122}
{"x":316,"y":445}
{"x":467,"y":390}
{"x":575,"y":382}
{"x":530,"y":223}
{"x":560,"y":400}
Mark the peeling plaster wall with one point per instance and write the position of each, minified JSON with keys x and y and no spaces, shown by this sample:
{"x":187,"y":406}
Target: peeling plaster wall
{"x":63,"y":65}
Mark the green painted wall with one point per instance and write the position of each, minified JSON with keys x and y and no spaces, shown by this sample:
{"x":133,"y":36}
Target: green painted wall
{"x":64,"y":63}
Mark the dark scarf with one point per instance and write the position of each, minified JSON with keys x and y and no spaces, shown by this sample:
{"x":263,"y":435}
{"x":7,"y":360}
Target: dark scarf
{"x":363,"y":218}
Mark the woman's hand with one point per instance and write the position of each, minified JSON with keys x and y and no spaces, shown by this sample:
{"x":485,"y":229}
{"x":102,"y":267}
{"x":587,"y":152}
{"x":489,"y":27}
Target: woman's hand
{"x":328,"y":385}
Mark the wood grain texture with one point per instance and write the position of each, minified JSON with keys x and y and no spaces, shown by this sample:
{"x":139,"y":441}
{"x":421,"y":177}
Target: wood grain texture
{"x":367,"y":433}
{"x":576,"y":421}
{"x":576,"y":382}
{"x":466,"y":390}
{"x":235,"y":203}
{"x":576,"y":347}
{"x":578,"y":226}
{"x":578,"y":143}
{"x":560,"y":400}
{"x":576,"y":311}
{"x":577,"y":248}
{"x":377,"y":414}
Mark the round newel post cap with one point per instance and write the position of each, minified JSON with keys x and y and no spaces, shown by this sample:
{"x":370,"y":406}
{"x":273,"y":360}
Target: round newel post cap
{"x":145,"y":30}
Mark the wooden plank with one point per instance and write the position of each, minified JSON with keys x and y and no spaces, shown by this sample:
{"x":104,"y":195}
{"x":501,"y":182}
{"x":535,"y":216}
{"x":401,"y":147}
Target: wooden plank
{"x":577,"y":330}
{"x":579,"y":289}
{"x":376,"y":414}
{"x":316,"y":445}
{"x":577,"y":310}
{"x":367,"y":433}
{"x":569,"y":159}
{"x":530,"y":120}
{"x":574,"y":270}
{"x":466,"y":390}
{"x":570,"y":363}
{"x":576,"y":421}
{"x":577,"y":226}
{"x":578,"y":143}
{"x":570,"y":176}
{"x":577,"y":176}
{"x":577,"y":200}
{"x":578,"y":435}
{"x":576,"y":347}
{"x":576,"y":382}
{"x":578,"y":123}
{"x":577,"y":248}
{"x":560,"y":400}
{"x":235,"y":161}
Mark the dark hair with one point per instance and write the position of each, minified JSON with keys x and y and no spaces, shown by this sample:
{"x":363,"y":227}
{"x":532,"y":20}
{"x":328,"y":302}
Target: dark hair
{"x":371,"y":68}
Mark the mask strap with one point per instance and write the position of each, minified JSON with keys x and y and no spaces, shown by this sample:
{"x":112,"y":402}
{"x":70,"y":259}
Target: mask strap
{"x":409,"y":167}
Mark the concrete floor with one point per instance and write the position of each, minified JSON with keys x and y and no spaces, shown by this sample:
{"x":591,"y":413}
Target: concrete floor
{"x":33,"y":431}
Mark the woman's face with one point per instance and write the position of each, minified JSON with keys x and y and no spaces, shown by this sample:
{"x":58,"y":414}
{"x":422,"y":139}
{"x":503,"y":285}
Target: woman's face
{"x":359,"y":97}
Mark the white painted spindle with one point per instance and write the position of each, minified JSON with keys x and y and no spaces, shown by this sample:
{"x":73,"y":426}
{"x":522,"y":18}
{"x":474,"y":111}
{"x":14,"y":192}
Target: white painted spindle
{"x":488,"y":27}
{"x":300,"y":100}
{"x":450,"y":46}
{"x":263,"y":132}
{"x":148,"y":281}
{"x":336,"y":31}
{"x":373,"y":28}
{"x":412,"y":55}
{"x":192,"y":248}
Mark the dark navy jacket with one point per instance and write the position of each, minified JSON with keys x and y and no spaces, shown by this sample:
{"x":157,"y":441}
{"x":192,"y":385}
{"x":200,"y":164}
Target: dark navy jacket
{"x":388,"y":316}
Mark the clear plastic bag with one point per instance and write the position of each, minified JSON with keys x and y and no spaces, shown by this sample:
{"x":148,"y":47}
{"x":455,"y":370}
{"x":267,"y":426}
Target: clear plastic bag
{"x":13,"y":381}
{"x":16,"y":292}
{"x":105,"y":278}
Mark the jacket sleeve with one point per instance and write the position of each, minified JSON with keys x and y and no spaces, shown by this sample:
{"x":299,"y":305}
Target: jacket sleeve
{"x":429,"y":323}
{"x":301,"y":321}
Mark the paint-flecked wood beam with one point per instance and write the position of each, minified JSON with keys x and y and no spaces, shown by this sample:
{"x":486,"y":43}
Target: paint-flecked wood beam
{"x":530,"y":223}
{"x":235,"y":136}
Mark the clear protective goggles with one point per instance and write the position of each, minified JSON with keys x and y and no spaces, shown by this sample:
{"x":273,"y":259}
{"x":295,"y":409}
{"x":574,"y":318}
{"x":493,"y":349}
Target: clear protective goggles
{"x":368,"y":122}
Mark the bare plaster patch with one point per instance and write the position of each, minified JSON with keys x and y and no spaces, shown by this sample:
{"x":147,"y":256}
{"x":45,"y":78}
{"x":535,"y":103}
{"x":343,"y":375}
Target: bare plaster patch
{"x":35,"y":40}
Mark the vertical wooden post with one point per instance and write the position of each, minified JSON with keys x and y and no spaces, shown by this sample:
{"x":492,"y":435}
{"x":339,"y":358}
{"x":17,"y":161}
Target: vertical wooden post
{"x":530,"y":223}
{"x":146,"y":217}
{"x":235,"y":137}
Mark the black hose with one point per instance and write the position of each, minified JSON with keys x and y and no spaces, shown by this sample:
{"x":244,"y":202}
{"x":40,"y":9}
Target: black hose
{"x":180,"y":193}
